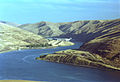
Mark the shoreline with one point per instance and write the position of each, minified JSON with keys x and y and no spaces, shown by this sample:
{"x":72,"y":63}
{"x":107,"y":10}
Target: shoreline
{"x":6,"y":51}
{"x":68,"y":57}
{"x":104,"y":67}
{"x":26,"y":49}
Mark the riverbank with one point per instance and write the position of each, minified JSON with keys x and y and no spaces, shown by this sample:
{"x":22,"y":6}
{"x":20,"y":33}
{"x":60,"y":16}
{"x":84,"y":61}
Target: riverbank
{"x":54,"y":45}
{"x":79,"y":58}
{"x":6,"y":51}
{"x":3,"y":51}
{"x":19,"y":81}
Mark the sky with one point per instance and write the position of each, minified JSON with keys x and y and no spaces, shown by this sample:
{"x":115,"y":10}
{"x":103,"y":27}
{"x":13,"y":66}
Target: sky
{"x":32,"y":11}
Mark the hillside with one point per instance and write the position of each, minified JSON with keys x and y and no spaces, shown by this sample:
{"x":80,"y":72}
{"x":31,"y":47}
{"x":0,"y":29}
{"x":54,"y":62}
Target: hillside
{"x":100,"y":52}
{"x":46,"y":29}
{"x":79,"y":30}
{"x":12,"y":38}
{"x":107,"y":45}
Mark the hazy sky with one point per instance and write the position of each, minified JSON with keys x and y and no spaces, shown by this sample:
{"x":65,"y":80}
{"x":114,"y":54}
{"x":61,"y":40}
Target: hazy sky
{"x":31,"y":11}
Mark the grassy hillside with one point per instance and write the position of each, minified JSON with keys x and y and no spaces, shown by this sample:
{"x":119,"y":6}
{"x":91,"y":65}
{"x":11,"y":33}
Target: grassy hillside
{"x":79,"y":30}
{"x":107,"y":45}
{"x":12,"y":37}
{"x":46,"y":29}
{"x":101,"y":52}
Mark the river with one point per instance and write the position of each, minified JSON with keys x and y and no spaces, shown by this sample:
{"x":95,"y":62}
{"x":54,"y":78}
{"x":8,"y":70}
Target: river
{"x":21,"y":65}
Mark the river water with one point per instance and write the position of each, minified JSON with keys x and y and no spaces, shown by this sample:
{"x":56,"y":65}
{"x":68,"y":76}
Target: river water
{"x":21,"y":65}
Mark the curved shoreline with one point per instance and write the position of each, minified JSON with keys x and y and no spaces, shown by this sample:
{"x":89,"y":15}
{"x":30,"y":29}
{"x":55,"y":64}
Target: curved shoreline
{"x":6,"y":51}
{"x":3,"y":51}
{"x":98,"y":65}
{"x":84,"y":59}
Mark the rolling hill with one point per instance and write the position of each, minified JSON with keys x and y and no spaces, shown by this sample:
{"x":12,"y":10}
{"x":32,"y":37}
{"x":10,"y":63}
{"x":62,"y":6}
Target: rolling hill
{"x":103,"y":51}
{"x":12,"y":38}
{"x":101,"y":39}
{"x":79,"y":30}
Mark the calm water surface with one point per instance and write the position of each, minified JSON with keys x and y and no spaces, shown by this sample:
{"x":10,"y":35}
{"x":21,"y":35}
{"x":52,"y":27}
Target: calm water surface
{"x":21,"y":65}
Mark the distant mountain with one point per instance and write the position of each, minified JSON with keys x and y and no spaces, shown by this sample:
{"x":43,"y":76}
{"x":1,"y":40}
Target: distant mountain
{"x":79,"y":30}
{"x":103,"y":51}
{"x":10,"y":23}
{"x":46,"y":29}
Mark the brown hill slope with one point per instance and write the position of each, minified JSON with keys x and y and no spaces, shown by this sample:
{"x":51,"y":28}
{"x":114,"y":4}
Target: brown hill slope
{"x":79,"y":30}
{"x":101,"y":52}
{"x":46,"y":29}
{"x":107,"y":45}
